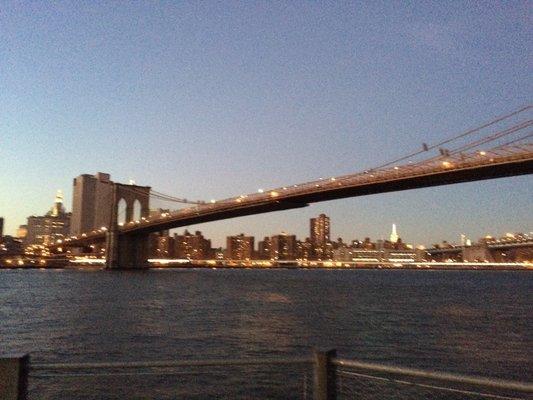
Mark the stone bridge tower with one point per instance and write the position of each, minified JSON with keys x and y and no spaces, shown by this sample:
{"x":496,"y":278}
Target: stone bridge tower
{"x":130,"y":203}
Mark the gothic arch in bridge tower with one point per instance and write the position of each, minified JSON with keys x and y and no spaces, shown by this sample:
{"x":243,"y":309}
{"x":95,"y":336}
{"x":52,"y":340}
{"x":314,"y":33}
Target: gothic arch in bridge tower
{"x":121,"y":211}
{"x":137,"y":200}
{"x":136,"y":210}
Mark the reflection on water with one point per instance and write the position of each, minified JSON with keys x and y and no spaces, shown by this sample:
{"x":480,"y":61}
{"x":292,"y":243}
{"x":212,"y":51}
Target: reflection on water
{"x":477,"y":322}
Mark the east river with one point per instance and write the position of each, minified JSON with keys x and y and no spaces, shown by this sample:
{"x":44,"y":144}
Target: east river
{"x":474,"y":322}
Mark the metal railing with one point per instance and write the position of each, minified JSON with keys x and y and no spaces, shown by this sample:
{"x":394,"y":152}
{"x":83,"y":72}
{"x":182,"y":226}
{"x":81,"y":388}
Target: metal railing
{"x":374,"y":381}
{"x":320,"y":376}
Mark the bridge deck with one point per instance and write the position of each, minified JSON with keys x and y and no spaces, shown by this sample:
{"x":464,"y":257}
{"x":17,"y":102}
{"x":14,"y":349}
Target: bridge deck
{"x":496,"y":163}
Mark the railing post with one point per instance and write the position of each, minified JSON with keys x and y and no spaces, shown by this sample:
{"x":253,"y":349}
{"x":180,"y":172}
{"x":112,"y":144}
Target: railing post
{"x":14,"y":377}
{"x":324,"y":380}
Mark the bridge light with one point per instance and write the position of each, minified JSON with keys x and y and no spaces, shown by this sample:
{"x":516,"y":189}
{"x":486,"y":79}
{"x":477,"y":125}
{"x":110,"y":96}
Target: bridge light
{"x":274,"y":194}
{"x":447,"y":164}
{"x":238,"y":200}
{"x":482,"y":153}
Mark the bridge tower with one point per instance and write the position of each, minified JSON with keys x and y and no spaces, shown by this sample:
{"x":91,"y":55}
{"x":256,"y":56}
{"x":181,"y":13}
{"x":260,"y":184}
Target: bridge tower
{"x":127,"y":251}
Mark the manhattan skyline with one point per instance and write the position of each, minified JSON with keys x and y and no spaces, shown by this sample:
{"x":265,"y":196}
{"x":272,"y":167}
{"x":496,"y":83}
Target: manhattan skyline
{"x":206,"y":102}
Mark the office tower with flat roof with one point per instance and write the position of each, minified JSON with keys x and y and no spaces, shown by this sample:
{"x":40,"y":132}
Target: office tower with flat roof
{"x":92,"y":197}
{"x":192,"y":246}
{"x":240,"y":247}
{"x":320,"y":236}
{"x":283,"y":247}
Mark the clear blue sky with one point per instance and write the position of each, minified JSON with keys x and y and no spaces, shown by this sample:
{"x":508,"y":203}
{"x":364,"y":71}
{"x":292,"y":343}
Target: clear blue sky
{"x":212,"y":99}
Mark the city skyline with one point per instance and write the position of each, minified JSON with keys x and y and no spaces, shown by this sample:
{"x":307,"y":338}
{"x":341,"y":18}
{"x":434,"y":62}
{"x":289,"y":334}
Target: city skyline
{"x":220,"y":101}
{"x":317,"y":229}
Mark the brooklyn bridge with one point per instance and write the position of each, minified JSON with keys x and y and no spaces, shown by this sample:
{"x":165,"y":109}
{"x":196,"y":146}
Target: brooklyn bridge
{"x":502,"y":152}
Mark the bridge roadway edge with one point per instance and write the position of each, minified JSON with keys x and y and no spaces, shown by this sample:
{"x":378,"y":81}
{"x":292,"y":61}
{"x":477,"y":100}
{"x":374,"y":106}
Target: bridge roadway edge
{"x":491,"y":171}
{"x":303,"y":200}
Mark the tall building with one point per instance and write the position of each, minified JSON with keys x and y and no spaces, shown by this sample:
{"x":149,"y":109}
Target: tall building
{"x":394,"y":235}
{"x":22,"y":232}
{"x":240,"y":247}
{"x":304,"y":249}
{"x":162,"y":245}
{"x":320,"y":236}
{"x":47,"y":229}
{"x":1,"y":227}
{"x":283,"y":247}
{"x":92,"y":197}
{"x":192,"y":246}
{"x":264,"y":249}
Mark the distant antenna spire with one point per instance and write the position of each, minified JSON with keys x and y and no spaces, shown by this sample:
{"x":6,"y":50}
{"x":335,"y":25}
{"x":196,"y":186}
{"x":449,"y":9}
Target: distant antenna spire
{"x":394,"y":234}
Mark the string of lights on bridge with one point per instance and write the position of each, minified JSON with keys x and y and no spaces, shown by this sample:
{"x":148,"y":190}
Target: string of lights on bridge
{"x":506,"y":142}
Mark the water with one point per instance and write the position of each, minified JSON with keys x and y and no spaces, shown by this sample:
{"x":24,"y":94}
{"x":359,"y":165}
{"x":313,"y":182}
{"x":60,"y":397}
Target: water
{"x":475,"y":322}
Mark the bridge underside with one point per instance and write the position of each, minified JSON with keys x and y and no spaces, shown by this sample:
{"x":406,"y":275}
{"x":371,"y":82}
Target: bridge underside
{"x":303,"y":200}
{"x":417,"y":182}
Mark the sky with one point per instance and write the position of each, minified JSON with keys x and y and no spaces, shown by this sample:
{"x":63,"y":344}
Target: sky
{"x":207,"y":100}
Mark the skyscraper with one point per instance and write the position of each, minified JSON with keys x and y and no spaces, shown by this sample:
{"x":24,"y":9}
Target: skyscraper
{"x":264,"y":248}
{"x":92,"y":197}
{"x":283,"y":247}
{"x":319,"y":236}
{"x":394,"y":235}
{"x":239,"y":247}
{"x":46,"y":229}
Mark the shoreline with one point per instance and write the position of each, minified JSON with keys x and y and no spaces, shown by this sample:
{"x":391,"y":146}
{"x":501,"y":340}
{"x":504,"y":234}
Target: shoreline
{"x":480,"y":267}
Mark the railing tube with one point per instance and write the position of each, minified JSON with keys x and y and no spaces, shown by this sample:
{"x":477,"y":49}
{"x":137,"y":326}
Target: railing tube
{"x":14,"y":377}
{"x":324,"y":380}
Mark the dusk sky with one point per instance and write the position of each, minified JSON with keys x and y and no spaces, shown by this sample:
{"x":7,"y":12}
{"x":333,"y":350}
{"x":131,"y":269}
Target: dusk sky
{"x":207,"y":100}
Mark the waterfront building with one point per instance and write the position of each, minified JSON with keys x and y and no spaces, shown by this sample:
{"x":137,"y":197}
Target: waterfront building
{"x":320,"y":236}
{"x":10,"y":246}
{"x":264,"y":249}
{"x":283,"y":247}
{"x":1,"y":227}
{"x":22,"y":232}
{"x":192,"y":246}
{"x":47,"y":229}
{"x":342,"y":253}
{"x":304,"y":249}
{"x":161,"y":245}
{"x":239,"y":247}
{"x":92,"y":197}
